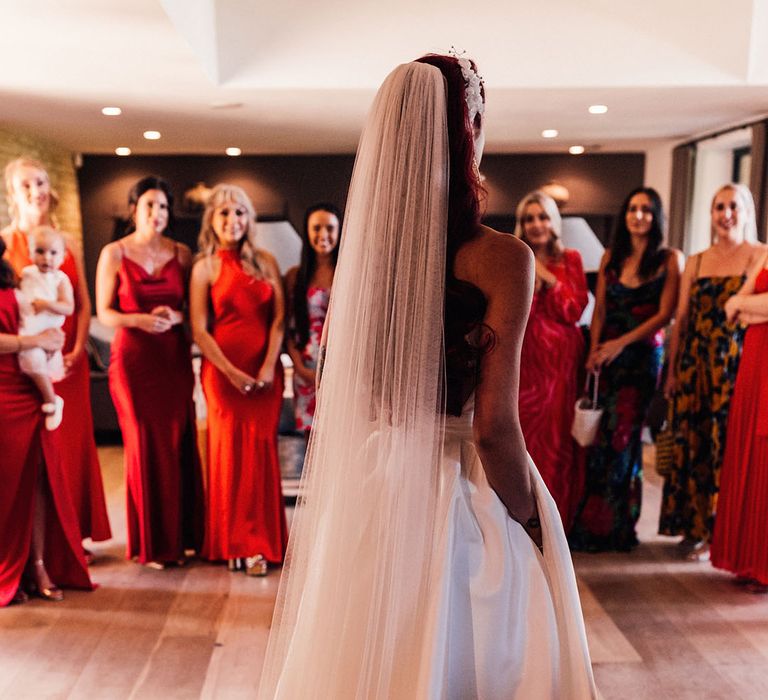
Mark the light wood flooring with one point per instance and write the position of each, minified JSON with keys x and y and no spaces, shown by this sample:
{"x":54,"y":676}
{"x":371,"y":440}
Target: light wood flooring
{"x":658,"y":628}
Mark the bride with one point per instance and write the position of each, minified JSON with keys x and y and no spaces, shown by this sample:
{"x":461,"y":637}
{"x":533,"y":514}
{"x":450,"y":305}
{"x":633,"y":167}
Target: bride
{"x":426,"y":559}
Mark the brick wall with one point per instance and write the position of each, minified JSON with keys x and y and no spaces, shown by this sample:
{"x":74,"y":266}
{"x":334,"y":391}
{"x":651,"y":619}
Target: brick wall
{"x":59,"y":164}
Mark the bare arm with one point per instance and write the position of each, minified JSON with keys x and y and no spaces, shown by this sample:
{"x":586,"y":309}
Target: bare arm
{"x":598,"y":315}
{"x":680,"y":326}
{"x":199,"y":291}
{"x":504,"y":271}
{"x":106,"y":292}
{"x":49,"y":340}
{"x":609,"y":350}
{"x":306,"y":373}
{"x":177,"y":316}
{"x":745,"y":301}
{"x":64,"y":304}
{"x":277,"y":327}
{"x":82,"y":303}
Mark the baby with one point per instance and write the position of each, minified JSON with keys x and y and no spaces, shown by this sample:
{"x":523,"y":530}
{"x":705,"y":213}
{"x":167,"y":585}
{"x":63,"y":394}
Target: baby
{"x":45,"y":298}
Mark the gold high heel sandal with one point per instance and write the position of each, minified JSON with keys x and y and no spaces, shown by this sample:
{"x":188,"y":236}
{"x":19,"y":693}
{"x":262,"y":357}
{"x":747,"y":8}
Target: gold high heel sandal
{"x":255,"y":566}
{"x":51,"y":593}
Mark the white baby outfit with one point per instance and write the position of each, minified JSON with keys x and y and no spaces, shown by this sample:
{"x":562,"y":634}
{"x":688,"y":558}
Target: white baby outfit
{"x":40,"y":285}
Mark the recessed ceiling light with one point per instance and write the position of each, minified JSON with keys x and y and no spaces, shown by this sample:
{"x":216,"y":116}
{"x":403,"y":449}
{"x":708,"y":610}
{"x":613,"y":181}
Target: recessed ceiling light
{"x":598,"y":109}
{"x":224,"y":104}
{"x":151,"y":135}
{"x":550,"y":133}
{"x":111,"y":111}
{"x":123,"y":151}
{"x":576,"y":150}
{"x":233,"y":151}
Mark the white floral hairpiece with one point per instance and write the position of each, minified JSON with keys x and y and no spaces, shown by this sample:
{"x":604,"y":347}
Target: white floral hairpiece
{"x":473,"y":85}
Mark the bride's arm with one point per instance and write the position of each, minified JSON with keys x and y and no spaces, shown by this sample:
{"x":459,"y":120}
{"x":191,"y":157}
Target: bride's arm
{"x":504,"y":271}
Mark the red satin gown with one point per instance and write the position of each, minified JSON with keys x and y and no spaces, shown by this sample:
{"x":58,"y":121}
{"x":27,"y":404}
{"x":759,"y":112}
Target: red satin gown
{"x":75,"y":435}
{"x":151,"y":382}
{"x":741,"y":524}
{"x":550,"y":363}
{"x":245,"y":515}
{"x":21,"y":449}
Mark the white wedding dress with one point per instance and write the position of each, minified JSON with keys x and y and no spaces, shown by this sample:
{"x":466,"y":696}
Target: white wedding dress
{"x":505,"y":620}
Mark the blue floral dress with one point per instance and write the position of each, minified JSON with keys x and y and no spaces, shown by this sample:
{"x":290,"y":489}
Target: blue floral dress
{"x":610,"y":507}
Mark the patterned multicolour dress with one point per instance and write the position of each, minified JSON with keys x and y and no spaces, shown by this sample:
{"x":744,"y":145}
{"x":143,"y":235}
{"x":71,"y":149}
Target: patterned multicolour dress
{"x":550,"y":364}
{"x":706,"y":372}
{"x":304,"y":392}
{"x":610,"y":507}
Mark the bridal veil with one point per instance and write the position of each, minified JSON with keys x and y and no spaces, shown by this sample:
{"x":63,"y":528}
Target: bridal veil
{"x":357,"y":574}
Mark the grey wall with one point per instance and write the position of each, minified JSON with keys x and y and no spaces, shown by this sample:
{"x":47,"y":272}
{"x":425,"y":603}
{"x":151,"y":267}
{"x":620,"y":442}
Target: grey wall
{"x":287,"y":185}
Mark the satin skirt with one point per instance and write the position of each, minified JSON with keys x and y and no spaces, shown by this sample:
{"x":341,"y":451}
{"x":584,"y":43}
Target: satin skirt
{"x":506,"y":619}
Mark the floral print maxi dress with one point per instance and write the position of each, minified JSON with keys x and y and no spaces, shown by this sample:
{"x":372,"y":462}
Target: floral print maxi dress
{"x":706,"y":373}
{"x":610,"y":507}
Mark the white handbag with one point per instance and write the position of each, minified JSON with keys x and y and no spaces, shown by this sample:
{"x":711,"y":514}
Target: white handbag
{"x":586,"y":415}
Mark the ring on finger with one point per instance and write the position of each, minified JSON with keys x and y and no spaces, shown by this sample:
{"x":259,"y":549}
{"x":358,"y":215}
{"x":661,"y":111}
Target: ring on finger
{"x":247,"y":388}
{"x":260,"y":384}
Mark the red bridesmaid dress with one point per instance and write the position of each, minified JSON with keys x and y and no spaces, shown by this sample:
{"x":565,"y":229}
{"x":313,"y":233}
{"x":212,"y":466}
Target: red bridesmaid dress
{"x":550,"y":367}
{"x":75,"y":435}
{"x":151,"y":381}
{"x":245,"y":515}
{"x":741,"y":524}
{"x":21,"y":448}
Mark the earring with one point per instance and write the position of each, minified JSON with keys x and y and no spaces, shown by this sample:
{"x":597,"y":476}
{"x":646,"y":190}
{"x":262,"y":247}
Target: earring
{"x":476,"y":171}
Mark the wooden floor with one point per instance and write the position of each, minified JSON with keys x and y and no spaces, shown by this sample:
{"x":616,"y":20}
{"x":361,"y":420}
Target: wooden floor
{"x":658,"y":628}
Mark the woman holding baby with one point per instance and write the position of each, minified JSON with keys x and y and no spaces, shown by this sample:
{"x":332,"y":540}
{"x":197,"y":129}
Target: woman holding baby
{"x":75,"y":470}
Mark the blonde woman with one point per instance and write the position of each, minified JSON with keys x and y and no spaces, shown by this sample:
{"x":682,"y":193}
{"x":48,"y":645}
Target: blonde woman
{"x":553,"y":351}
{"x":237,"y":310}
{"x":31,"y":203}
{"x":704,"y":352}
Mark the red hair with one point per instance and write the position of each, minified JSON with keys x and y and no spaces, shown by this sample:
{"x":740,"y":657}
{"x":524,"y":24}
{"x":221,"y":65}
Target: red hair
{"x":465,"y":304}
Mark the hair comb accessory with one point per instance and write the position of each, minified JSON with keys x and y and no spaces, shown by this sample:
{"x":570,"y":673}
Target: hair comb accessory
{"x":473,"y":84}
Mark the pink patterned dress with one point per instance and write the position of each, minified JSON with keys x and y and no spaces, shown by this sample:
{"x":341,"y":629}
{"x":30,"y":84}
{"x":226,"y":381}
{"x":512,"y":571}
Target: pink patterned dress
{"x":304,"y":393}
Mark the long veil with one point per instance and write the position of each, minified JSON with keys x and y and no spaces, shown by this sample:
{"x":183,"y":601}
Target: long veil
{"x":353,"y":596}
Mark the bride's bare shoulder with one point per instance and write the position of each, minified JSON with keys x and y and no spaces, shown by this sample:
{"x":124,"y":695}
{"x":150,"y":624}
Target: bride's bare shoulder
{"x":493,"y":258}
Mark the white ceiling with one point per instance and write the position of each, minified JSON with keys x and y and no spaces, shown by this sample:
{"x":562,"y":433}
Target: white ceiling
{"x":305,"y":71}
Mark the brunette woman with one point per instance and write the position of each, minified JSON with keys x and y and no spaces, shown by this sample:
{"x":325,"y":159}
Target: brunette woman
{"x":637,"y":288}
{"x":32,"y":203}
{"x":141,"y":289}
{"x":237,"y":315}
{"x":704,"y":352}
{"x":308,"y":288}
{"x":553,"y":353}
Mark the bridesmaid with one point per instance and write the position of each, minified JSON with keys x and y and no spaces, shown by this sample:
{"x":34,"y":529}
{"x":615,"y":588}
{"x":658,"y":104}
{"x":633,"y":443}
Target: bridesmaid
{"x":236,"y":310}
{"x":32,"y":202}
{"x":704,"y":353}
{"x":39,"y":531}
{"x":741,"y":527}
{"x":141,"y":285}
{"x":308,"y":289}
{"x":552,"y":354}
{"x":636,"y":294}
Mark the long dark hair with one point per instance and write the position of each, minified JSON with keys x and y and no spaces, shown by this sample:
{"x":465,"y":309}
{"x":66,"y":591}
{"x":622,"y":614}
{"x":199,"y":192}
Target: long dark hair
{"x":621,"y":245}
{"x":7,"y":275}
{"x":304,"y":274}
{"x":465,"y":304}
{"x":151,"y":182}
